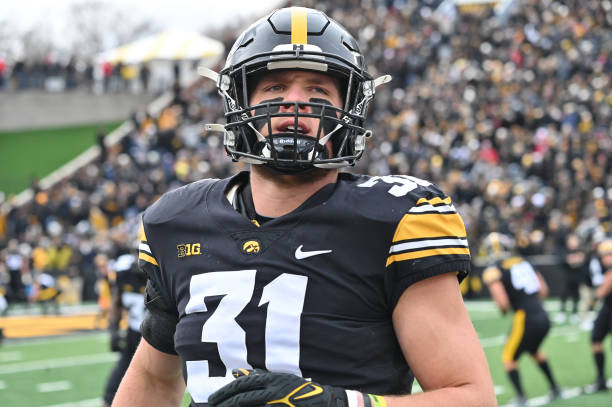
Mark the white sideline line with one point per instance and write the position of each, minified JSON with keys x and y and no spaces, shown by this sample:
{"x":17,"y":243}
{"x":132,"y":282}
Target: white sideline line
{"x":11,"y":356}
{"x":556,"y":331}
{"x":82,"y":403}
{"x":53,"y":386}
{"x":58,"y":363}
{"x":544,"y":400}
{"x":73,"y":337}
{"x":489,"y":305}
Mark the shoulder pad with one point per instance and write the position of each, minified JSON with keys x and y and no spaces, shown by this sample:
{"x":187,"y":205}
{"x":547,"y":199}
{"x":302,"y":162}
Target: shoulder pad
{"x":176,"y":201}
{"x":509,"y":262}
{"x":399,"y":195}
{"x":490,"y":274}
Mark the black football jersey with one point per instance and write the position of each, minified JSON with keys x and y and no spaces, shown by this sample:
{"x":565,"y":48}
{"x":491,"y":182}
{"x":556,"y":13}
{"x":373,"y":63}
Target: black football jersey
{"x":309,"y":293}
{"x":520,"y":281}
{"x":131,"y":283}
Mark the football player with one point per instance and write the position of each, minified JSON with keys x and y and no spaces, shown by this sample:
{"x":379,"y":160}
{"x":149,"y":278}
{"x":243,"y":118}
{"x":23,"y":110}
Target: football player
{"x":127,"y":294}
{"x":603,"y":323}
{"x":515,"y":285}
{"x":325,"y":288}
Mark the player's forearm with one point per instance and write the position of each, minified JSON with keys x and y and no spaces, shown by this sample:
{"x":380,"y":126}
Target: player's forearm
{"x":469,"y":395}
{"x":141,"y":389}
{"x":153,"y":379}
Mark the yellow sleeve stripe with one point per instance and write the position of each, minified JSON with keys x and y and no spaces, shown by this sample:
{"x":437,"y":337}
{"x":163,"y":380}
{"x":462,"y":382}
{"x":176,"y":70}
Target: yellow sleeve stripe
{"x":299,"y":25}
{"x":147,"y":258}
{"x":431,"y":225}
{"x":141,"y":233}
{"x":512,"y":261}
{"x":434,"y":201}
{"x":442,"y":251}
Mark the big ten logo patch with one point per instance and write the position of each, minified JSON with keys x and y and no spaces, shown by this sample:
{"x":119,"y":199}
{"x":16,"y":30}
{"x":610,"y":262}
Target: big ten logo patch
{"x":188,"y":249}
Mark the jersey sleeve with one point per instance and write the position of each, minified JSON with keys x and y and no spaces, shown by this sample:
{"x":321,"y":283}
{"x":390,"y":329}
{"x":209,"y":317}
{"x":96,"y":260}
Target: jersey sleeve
{"x":160,"y":319}
{"x":430,"y":239}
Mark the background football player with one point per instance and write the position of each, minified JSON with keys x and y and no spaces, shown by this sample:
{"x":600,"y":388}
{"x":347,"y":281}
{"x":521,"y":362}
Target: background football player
{"x":515,"y":285}
{"x":603,"y":323}
{"x":127,"y":294}
{"x":294,"y":270}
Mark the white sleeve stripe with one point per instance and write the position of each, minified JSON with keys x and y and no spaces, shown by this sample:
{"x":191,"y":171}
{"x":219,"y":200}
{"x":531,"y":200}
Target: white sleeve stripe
{"x":431,"y":208}
{"x":143,"y":247}
{"x":428,"y":244}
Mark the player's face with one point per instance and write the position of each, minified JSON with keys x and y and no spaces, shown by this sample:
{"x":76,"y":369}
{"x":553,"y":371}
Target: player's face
{"x":295,"y":86}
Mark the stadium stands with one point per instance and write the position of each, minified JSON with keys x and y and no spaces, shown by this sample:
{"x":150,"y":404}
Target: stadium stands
{"x":511,"y":117}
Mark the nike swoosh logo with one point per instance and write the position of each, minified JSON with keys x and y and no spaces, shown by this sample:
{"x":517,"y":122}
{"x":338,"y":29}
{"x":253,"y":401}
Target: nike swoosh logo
{"x":299,"y":254}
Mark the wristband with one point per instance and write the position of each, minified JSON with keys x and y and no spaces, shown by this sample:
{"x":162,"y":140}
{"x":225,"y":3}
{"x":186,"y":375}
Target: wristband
{"x":359,"y":399}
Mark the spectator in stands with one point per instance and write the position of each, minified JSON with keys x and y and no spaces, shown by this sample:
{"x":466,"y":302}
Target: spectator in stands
{"x":145,"y":75}
{"x":17,"y":266}
{"x":2,"y":73}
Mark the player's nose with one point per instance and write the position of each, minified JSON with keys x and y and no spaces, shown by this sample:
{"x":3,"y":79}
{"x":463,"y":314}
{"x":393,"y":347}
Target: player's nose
{"x":296,"y":95}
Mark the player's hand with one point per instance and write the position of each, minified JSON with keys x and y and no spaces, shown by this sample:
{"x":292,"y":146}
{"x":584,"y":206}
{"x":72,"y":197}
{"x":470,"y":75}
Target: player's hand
{"x":259,"y":387}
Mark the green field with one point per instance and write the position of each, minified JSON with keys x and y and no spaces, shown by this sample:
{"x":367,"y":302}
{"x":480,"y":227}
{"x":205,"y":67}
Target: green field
{"x":25,"y":155}
{"x":71,"y":371}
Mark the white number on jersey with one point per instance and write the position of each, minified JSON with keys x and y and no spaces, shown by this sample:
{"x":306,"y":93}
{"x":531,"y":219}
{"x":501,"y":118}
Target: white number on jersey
{"x":135,"y":304}
{"x":285,"y":298}
{"x":405,"y":183}
{"x":524,"y":277}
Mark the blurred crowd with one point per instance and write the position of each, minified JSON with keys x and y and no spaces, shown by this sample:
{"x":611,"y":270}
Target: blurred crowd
{"x":52,"y":75}
{"x":511,"y":117}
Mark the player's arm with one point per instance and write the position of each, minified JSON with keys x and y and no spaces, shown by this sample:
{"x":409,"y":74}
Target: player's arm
{"x":154,"y":378}
{"x":543,"y":293}
{"x":492,"y":277}
{"x":606,"y":286}
{"x":605,"y":252}
{"x":441,"y":346}
{"x":114,"y":318}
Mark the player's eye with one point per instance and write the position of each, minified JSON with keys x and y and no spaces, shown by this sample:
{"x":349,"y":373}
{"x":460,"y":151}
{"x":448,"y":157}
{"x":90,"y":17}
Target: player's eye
{"x":321,"y":90}
{"x":274,"y":88}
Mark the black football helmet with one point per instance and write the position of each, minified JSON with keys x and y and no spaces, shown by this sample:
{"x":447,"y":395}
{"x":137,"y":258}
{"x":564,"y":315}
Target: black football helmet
{"x":303,"y":39}
{"x":497,"y":246}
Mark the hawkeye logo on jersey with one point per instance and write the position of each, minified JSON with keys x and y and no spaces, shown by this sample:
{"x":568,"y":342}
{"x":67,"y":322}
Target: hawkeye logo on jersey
{"x":251,"y":247}
{"x":188,"y":249}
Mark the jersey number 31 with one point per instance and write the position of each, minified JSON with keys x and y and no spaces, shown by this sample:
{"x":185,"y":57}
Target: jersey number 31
{"x":285,"y":298}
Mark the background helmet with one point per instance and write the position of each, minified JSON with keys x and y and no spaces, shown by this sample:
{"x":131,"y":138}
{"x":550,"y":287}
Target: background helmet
{"x":295,"y":38}
{"x":497,"y":246}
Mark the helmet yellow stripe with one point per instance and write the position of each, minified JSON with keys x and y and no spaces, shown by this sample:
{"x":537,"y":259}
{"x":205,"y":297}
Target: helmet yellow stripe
{"x":299,"y":25}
